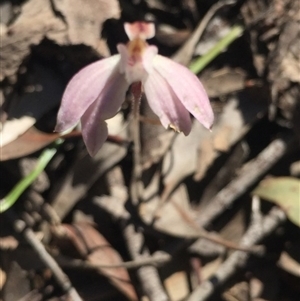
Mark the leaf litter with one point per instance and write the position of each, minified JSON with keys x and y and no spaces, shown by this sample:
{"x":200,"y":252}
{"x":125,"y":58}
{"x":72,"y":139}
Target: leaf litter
{"x":254,"y":90}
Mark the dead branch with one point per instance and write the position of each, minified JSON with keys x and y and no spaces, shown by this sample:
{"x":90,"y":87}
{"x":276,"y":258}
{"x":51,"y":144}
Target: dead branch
{"x":148,"y":275}
{"x":256,"y":232}
{"x":61,"y":278}
{"x":156,"y":259}
{"x":249,"y":174}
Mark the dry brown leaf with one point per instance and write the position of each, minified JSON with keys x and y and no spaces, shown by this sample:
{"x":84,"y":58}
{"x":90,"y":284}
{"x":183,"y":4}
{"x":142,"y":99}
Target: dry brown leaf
{"x":177,"y":286}
{"x":85,"y":18}
{"x":239,"y":291}
{"x":174,"y":217}
{"x":92,"y":246}
{"x":17,"y":283}
{"x":36,"y":21}
{"x":209,"y":269}
{"x":31,"y":141}
{"x":223,"y":81}
{"x":285,"y":63}
{"x":290,"y":67}
{"x":234,"y":122}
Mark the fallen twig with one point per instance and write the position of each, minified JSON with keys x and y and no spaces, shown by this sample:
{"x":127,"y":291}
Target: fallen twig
{"x":156,"y":260}
{"x":249,"y":174}
{"x":148,"y":275}
{"x":256,"y":232}
{"x":61,"y":278}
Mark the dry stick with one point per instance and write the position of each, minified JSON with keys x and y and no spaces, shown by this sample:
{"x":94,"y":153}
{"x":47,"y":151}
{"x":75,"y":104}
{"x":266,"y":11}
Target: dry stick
{"x":61,"y":278}
{"x":255,"y":233}
{"x":185,"y":53}
{"x":148,"y":275}
{"x":249,"y":174}
{"x":113,"y":206}
{"x":135,"y":187}
{"x":156,"y":259}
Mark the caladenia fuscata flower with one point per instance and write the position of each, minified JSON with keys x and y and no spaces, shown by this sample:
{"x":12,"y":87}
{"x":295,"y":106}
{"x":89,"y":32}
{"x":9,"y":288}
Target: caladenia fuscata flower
{"x":97,"y":91}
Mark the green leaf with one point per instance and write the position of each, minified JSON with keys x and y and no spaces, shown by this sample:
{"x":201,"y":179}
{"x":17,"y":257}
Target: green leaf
{"x":9,"y":200}
{"x":283,"y":191}
{"x":199,"y":63}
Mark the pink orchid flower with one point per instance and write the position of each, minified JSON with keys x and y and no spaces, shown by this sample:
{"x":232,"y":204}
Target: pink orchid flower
{"x":97,"y":92}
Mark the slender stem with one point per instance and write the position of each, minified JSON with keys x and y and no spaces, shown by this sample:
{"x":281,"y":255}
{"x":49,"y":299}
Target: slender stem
{"x":137,"y":167}
{"x":198,"y":64}
{"x":24,"y":183}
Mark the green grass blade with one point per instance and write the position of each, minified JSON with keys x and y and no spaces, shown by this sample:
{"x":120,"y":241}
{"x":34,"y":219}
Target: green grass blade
{"x":24,"y":183}
{"x":200,"y":63}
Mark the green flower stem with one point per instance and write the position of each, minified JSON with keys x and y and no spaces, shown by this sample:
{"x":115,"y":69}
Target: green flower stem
{"x":198,"y":64}
{"x":24,"y":183}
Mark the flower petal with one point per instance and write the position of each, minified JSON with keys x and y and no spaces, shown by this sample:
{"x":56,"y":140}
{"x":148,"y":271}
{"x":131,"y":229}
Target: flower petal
{"x":165,"y":104}
{"x":83,"y":89}
{"x":94,"y":135}
{"x":148,"y":56}
{"x":111,"y":97}
{"x":187,"y":87}
{"x":140,"y":30}
{"x":94,"y":129}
